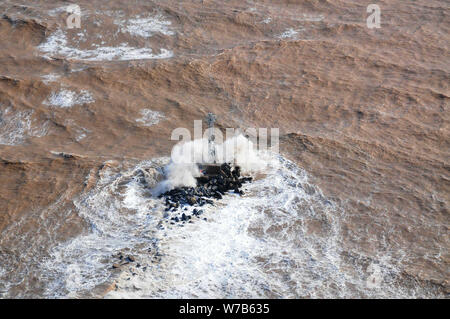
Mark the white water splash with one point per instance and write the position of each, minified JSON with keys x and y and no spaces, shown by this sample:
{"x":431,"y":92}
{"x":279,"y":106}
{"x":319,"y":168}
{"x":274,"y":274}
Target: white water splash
{"x":183,"y":170}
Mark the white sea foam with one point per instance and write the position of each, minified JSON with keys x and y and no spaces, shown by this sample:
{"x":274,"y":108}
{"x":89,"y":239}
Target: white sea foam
{"x":48,"y":78}
{"x":16,"y":126}
{"x":57,"y":45}
{"x":145,"y":27}
{"x":289,"y":33}
{"x":149,"y":117}
{"x":67,"y":98}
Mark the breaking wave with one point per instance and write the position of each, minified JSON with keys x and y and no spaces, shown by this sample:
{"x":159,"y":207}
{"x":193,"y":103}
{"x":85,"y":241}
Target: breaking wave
{"x":182,"y":169}
{"x":282,"y":239}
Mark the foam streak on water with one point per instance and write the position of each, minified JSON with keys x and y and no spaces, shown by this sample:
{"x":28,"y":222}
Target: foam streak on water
{"x":17,"y":126}
{"x":66,"y":98}
{"x":146,"y":26}
{"x":57,"y":45}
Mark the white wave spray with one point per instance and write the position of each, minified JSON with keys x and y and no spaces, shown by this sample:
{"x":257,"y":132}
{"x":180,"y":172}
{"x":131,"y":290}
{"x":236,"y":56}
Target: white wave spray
{"x":183,"y":170}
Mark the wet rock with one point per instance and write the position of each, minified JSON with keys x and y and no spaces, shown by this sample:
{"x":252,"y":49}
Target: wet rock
{"x":208,"y":187}
{"x":196,"y":212}
{"x":192,"y":200}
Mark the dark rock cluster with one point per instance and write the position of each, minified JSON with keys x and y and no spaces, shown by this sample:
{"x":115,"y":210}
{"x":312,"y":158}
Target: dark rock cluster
{"x":133,"y":264}
{"x":208,"y":187}
{"x":123,"y":260}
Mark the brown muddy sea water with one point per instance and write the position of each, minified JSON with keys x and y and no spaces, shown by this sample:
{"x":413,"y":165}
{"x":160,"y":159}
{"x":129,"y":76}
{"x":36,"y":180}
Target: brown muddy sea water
{"x":356,"y":205}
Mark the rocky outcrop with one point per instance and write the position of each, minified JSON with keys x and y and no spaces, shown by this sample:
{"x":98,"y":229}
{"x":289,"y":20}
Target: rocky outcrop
{"x":208,"y":188}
